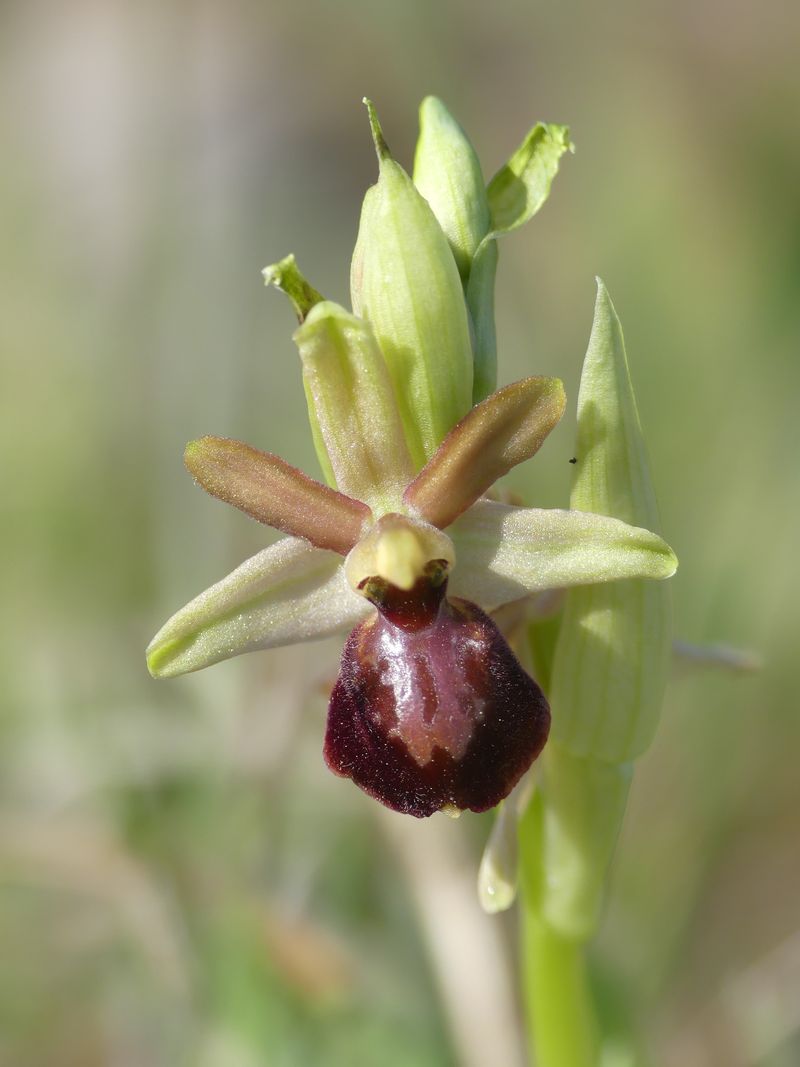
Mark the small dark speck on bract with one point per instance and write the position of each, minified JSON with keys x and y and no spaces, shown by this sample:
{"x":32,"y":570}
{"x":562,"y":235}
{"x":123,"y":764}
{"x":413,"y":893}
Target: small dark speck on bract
{"x":574,"y":459}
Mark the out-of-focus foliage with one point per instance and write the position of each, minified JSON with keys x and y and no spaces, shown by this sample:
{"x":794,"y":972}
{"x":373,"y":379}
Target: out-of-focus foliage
{"x":181,"y":881}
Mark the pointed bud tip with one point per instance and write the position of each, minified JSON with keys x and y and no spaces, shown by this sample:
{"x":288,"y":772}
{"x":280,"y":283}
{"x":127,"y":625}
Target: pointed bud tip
{"x":275,"y":272}
{"x":602,"y":288}
{"x":434,"y":107}
{"x":286,"y":276}
{"x":381,"y":147}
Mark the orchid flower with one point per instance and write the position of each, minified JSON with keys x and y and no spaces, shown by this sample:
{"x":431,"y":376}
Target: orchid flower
{"x":403,"y":546}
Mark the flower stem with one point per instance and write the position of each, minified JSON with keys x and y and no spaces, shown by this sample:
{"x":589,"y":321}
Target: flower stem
{"x":558,"y":1007}
{"x":559,"y":1012}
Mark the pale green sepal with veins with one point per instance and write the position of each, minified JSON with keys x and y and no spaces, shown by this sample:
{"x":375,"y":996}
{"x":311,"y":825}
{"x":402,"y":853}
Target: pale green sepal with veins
{"x":286,"y":593}
{"x":613,"y":652}
{"x":352,"y":401}
{"x":404,"y":281}
{"x":506,"y":552}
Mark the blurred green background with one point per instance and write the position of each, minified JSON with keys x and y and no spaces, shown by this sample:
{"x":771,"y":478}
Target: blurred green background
{"x":181,"y":880}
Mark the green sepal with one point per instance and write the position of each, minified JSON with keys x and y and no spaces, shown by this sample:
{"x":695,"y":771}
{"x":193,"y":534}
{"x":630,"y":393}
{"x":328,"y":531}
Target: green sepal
{"x":505,"y":552}
{"x":286,"y":593}
{"x":614,"y":645}
{"x":404,"y":281}
{"x":352,"y":402}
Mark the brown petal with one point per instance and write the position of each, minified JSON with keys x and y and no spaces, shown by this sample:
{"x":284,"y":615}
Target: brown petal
{"x":273,"y":492}
{"x":503,"y":430}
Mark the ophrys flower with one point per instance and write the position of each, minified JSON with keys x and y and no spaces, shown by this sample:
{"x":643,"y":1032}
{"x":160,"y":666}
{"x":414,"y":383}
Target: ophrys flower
{"x":431,"y":709}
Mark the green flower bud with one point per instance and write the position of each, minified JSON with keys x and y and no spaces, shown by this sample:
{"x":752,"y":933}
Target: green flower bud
{"x":448,"y":174}
{"x":404,"y":281}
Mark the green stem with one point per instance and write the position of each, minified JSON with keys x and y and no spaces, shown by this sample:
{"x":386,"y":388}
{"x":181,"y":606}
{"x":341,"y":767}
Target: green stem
{"x":558,"y":1006}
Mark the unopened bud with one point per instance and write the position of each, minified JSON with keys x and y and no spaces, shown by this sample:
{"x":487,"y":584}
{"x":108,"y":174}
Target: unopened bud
{"x":404,"y":281}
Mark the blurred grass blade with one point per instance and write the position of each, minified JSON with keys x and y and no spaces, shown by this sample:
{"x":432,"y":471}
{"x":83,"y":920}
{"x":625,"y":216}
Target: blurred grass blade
{"x":502,"y":431}
{"x":270,"y":490}
{"x":288,"y":592}
{"x":687,"y":656}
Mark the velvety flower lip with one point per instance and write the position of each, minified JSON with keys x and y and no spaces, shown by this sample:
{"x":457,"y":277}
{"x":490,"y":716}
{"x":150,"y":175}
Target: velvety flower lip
{"x":437,"y":715}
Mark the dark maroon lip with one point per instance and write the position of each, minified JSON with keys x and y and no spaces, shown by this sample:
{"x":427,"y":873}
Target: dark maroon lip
{"x":431,"y":707}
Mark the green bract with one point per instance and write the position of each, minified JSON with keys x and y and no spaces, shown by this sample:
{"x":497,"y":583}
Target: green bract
{"x":611,"y":657}
{"x":614,"y":645}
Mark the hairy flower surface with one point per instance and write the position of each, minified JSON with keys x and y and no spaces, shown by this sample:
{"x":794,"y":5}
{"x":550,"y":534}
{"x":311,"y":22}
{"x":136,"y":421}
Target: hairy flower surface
{"x":431,"y":709}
